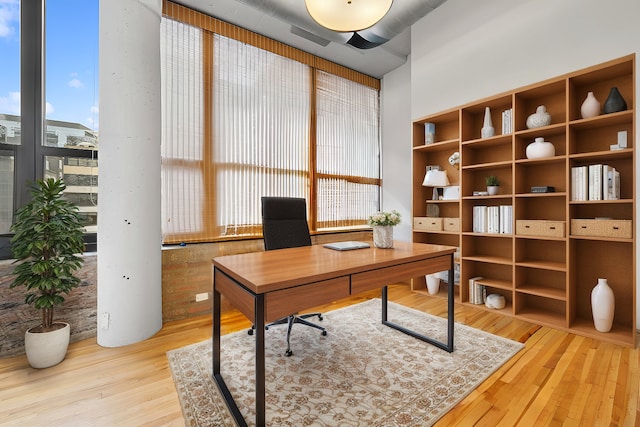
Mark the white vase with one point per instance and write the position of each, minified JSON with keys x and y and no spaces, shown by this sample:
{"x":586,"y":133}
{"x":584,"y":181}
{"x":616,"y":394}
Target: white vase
{"x":433,"y":283}
{"x":602,"y":306}
{"x":383,"y":236}
{"x":539,"y":119}
{"x":487,"y":130}
{"x":45,"y":349}
{"x":540,"y":149}
{"x":590,"y":107}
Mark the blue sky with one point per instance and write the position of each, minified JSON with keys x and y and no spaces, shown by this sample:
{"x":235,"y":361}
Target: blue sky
{"x":71,"y":64}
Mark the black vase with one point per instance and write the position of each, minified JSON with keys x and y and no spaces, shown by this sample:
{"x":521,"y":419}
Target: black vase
{"x":615,"y":102}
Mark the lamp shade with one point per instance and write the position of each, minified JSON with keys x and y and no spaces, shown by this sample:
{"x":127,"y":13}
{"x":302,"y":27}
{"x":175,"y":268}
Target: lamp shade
{"x":435,"y":178}
{"x":347,"y":15}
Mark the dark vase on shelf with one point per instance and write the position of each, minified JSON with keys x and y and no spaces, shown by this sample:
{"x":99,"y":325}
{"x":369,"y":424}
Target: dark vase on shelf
{"x":615,"y":102}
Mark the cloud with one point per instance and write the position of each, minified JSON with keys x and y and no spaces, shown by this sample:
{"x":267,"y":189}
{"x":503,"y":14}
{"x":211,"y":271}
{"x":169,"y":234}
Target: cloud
{"x":10,"y":104}
{"x":49,"y":109}
{"x":9,"y":17}
{"x":75,"y":83}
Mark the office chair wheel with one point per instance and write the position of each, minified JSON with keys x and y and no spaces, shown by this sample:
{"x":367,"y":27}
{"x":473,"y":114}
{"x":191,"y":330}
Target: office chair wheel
{"x":288,"y":353}
{"x":320,"y":317}
{"x":324,"y":333}
{"x":250,"y":331}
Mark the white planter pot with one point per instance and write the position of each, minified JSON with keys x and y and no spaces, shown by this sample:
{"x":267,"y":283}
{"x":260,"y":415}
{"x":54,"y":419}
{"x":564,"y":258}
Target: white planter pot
{"x":45,"y":349}
{"x":433,"y":283}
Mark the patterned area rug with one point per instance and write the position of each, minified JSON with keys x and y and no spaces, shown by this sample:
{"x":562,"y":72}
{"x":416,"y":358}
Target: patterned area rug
{"x":361,"y":374}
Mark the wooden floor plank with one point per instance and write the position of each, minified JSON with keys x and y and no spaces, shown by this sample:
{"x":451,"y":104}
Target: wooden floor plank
{"x":557,"y":376}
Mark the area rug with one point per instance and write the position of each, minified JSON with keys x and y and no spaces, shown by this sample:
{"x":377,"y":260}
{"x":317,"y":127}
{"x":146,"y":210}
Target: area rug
{"x":361,"y":374}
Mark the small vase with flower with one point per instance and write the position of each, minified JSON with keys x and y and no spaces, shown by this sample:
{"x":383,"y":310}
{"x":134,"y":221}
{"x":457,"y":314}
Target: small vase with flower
{"x":382,"y":224}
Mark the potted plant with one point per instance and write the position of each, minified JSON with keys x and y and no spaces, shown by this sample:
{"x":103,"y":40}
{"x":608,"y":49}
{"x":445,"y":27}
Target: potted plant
{"x":492,"y":184}
{"x":382,"y":224}
{"x":46,"y":245}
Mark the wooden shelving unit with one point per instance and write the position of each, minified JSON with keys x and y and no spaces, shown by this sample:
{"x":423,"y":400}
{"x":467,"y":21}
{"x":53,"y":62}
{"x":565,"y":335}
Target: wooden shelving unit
{"x":544,"y":279}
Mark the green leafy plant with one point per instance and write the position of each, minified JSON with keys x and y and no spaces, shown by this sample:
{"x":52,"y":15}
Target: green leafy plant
{"x":47,"y":243}
{"x":492,"y":180}
{"x":384,"y":218}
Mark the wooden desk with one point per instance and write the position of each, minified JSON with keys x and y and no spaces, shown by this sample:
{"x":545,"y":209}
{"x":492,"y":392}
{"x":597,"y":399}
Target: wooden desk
{"x":266,"y":286}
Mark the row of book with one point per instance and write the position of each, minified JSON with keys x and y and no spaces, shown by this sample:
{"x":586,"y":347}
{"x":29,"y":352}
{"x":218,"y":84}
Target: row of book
{"x":507,"y":120}
{"x":493,"y":219}
{"x":595,"y":182}
{"x":477,"y":292}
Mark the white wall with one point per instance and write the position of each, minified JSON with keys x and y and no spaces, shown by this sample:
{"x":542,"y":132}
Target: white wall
{"x":396,"y":148}
{"x":467,"y":50}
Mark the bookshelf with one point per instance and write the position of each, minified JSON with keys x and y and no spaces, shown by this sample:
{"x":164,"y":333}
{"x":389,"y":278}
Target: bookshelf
{"x":544,"y":271}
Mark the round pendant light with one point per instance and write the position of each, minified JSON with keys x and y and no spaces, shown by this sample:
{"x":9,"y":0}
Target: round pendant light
{"x":347,"y":15}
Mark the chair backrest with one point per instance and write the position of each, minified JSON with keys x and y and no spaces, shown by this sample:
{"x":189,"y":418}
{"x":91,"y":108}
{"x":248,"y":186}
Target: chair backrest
{"x":284,"y":223}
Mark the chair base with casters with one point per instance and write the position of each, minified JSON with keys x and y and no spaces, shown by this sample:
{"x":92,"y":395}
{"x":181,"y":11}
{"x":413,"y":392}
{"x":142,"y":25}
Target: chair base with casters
{"x":290,"y":321}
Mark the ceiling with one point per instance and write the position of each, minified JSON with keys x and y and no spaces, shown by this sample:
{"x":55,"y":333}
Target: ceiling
{"x":374,"y":51}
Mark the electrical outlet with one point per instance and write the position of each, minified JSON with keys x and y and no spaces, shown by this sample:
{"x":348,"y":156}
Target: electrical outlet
{"x":104,"y":321}
{"x":202,"y":297}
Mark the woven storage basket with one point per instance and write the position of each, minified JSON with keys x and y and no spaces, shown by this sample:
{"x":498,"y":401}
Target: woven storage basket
{"x":425,"y":223}
{"x":451,"y":224}
{"x":542,"y":228}
{"x":620,"y":228}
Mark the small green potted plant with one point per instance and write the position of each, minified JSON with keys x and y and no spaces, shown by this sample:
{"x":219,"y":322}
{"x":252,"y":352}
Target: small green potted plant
{"x":492,"y":185}
{"x":47,"y":245}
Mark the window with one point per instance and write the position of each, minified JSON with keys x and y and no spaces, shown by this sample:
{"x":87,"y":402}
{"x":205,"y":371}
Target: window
{"x":240,"y":122}
{"x":348,"y":152}
{"x":41,"y":133}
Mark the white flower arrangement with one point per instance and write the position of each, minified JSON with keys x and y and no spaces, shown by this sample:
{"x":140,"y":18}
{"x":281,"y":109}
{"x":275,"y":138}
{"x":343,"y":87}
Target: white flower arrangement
{"x":384,"y":218}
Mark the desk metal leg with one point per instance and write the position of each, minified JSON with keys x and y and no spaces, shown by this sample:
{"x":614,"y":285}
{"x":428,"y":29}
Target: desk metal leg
{"x":217,"y":376}
{"x":450,"y":317}
{"x":260,"y":362}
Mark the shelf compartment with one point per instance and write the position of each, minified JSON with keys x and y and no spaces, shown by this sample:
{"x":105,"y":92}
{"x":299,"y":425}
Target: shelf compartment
{"x":473,"y":179}
{"x":490,"y":248}
{"x":497,"y":277}
{"x":507,"y":310}
{"x":547,"y":172}
{"x":605,"y":260}
{"x":552,"y":95}
{"x":444,"y":238}
{"x":600,"y":81}
{"x":619,"y":334}
{"x":446,"y":127}
{"x":487,"y":151}
{"x":540,"y":310}
{"x":538,"y":208}
{"x":541,"y":282}
{"x":473,"y":116}
{"x":614,"y":209}
{"x":599,"y":133}
{"x":543,"y":254}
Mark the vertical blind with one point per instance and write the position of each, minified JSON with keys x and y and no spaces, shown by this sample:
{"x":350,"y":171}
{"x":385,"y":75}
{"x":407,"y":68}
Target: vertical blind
{"x":182,"y":145}
{"x":348,"y":151}
{"x":261,"y":132}
{"x":238,"y":124}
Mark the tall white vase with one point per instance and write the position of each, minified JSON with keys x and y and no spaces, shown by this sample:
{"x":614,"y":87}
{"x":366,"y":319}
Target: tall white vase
{"x":602,"y":306}
{"x":487,"y":130}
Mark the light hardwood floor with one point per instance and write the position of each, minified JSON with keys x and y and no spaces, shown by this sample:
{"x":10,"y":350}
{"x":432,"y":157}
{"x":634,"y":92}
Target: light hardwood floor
{"x":557,"y":379}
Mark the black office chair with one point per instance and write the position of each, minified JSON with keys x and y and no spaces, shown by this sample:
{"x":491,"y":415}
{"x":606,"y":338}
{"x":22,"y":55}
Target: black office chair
{"x":284,"y":225}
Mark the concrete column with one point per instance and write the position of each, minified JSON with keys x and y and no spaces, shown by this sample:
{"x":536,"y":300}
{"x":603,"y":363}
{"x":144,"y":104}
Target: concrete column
{"x":129,"y":230}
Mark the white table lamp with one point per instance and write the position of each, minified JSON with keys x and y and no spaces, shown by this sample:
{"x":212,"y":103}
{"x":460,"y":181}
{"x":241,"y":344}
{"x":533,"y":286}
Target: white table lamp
{"x":436,"y":179}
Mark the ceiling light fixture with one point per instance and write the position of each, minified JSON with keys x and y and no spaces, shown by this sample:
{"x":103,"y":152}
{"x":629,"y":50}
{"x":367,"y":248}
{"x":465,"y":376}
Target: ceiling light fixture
{"x":347,"y":15}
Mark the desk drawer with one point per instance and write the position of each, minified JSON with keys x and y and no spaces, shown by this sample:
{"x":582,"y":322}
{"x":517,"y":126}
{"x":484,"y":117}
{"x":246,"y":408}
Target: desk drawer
{"x":282,"y":303}
{"x":380,"y":277}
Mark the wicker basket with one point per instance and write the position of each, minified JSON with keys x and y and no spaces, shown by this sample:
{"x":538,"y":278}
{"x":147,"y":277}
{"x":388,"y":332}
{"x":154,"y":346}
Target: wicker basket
{"x":619,"y":228}
{"x":542,"y":228}
{"x":425,"y":223}
{"x":451,"y":224}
